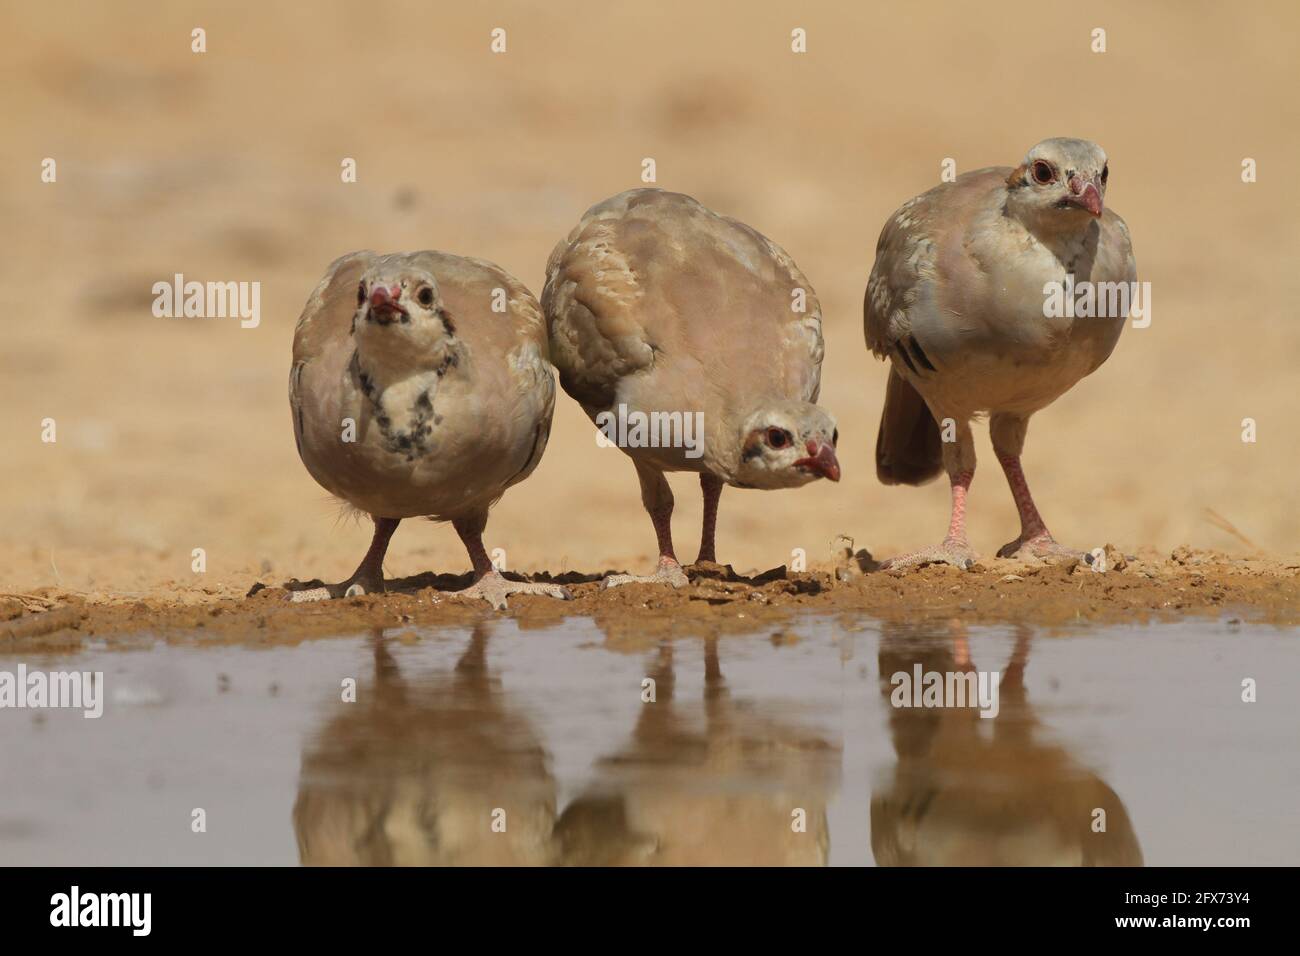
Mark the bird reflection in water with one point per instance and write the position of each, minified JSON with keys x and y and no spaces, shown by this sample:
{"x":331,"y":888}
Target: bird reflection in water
{"x":716,"y":783}
{"x":412,"y":773}
{"x":972,"y":791}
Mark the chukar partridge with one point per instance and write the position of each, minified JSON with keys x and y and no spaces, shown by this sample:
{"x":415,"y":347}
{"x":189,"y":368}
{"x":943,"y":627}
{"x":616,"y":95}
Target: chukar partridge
{"x":956,"y":302}
{"x":413,"y":397}
{"x":658,"y":307}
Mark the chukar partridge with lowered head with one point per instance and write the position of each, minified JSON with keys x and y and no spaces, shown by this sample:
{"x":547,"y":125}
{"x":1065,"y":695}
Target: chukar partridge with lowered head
{"x":661,"y":312}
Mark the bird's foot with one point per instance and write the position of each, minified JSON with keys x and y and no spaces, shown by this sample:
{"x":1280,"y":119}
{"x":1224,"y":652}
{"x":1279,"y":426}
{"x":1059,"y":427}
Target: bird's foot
{"x":669,"y":572}
{"x":708,"y":568}
{"x":957,"y":553}
{"x":355,"y":585}
{"x":494,"y":588}
{"x":1041,"y":547}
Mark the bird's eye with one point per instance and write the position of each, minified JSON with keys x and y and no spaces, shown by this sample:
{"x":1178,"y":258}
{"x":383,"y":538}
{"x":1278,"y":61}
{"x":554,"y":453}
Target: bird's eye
{"x":1042,"y":172}
{"x":361,"y":294}
{"x":778,"y":437}
{"x":425,"y":297}
{"x":835,"y":439}
{"x":1105,"y":172}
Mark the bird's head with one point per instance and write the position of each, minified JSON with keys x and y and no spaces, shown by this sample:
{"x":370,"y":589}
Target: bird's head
{"x":1061,"y":181}
{"x":398,"y":307}
{"x":786,"y":444}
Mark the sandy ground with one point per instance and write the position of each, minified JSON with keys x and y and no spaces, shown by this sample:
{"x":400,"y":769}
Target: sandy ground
{"x":174,"y":434}
{"x":1135,"y":589}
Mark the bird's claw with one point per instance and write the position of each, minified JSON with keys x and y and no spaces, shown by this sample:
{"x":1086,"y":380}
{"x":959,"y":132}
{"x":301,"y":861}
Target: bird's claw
{"x":956,"y":553}
{"x":495,"y":588}
{"x":345,"y":589}
{"x":668,"y":572}
{"x":1041,"y":547}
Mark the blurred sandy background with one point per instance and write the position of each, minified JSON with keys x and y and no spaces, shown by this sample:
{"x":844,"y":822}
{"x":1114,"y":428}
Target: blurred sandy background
{"x":175,"y":434}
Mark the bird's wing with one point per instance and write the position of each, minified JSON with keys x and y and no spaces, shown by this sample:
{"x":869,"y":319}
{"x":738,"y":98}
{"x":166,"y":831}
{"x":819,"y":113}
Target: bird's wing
{"x":327,"y":316}
{"x":653,"y":282}
{"x":905,"y":256}
{"x":926,"y":239}
{"x":519,"y":390}
{"x":1113,"y":263}
{"x":325,"y":324}
{"x":594,"y":305}
{"x":780,"y":289}
{"x":1115,"y":249}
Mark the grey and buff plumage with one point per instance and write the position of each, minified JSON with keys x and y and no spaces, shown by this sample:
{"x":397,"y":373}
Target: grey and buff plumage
{"x":956,"y":303}
{"x":655,"y":304}
{"x":411,"y":398}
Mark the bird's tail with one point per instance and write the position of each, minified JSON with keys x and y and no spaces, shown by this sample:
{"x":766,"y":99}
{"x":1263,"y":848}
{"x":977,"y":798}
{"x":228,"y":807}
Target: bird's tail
{"x":908,"y":450}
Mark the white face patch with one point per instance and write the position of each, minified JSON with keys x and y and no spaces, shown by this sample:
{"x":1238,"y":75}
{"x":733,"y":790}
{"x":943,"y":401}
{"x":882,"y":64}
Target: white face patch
{"x":402,"y":353}
{"x":770,"y":464}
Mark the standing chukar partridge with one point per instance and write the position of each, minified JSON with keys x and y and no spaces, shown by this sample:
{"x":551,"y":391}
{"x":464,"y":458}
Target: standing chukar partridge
{"x":657,"y":307}
{"x":956,"y":302}
{"x":412,"y":397}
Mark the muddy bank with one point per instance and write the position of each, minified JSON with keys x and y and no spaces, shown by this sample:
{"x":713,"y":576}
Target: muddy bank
{"x":1145,"y":587}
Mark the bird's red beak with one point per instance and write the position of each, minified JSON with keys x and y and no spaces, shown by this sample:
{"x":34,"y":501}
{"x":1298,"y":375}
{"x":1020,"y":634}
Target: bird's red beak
{"x":1085,"y":194}
{"x":821,"y":460}
{"x":384,"y":299}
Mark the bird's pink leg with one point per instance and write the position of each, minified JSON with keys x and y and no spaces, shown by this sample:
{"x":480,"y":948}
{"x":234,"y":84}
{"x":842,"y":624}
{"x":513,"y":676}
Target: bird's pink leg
{"x":669,"y":570}
{"x":1031,"y":522}
{"x":658,"y":500}
{"x":712,"y":488}
{"x":368,"y":578}
{"x":472,"y":538}
{"x":370,"y":572}
{"x":955,"y":550}
{"x":662,"y":518}
{"x":957,"y":522}
{"x":489,"y":583}
{"x":1034,"y":538}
